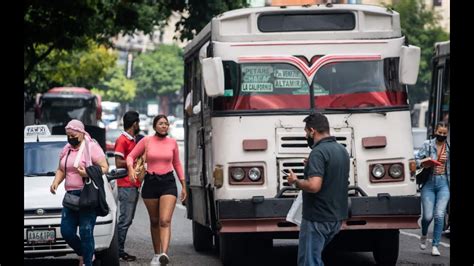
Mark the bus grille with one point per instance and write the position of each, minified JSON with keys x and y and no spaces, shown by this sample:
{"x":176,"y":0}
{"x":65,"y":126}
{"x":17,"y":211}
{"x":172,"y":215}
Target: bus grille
{"x":293,"y":140}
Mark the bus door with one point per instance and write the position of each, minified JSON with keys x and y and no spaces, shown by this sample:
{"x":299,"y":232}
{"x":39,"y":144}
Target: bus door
{"x":198,"y":145}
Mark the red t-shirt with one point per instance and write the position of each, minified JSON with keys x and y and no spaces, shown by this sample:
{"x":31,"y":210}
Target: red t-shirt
{"x":123,"y":146}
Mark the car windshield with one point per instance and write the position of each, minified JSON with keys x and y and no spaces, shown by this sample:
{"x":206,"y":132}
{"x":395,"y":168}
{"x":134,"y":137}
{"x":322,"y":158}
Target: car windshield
{"x":41,"y":158}
{"x":282,"y":86}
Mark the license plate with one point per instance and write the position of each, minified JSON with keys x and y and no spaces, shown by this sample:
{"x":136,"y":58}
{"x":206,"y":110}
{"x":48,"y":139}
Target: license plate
{"x":41,"y":235}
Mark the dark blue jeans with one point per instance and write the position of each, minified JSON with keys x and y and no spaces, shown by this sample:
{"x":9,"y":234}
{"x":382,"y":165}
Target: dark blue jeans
{"x":314,"y":237}
{"x":83,"y":244}
{"x":128,"y":198}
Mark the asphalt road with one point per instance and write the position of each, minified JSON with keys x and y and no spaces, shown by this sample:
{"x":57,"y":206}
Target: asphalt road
{"x":283,"y":253}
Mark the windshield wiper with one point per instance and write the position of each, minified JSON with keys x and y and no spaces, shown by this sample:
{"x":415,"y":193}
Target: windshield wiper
{"x":41,"y":174}
{"x":359,"y":109}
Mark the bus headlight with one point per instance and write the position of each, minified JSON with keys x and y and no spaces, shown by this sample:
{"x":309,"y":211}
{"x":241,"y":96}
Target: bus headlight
{"x":237,"y":174}
{"x":378,"y":171}
{"x":254,"y":174}
{"x":395,"y":171}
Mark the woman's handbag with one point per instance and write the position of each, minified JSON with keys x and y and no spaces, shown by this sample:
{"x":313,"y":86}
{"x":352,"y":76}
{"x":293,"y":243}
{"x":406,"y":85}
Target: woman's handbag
{"x":140,"y":169}
{"x":296,"y":210}
{"x":71,"y":201}
{"x":89,"y":195}
{"x":423,"y":176}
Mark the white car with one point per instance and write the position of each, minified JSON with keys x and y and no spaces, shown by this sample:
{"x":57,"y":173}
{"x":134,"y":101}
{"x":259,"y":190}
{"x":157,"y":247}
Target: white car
{"x":42,"y":210}
{"x":177,"y":130}
{"x":144,"y":123}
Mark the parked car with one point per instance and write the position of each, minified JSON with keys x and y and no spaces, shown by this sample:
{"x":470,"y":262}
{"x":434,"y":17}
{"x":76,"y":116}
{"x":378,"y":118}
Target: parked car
{"x":42,"y":210}
{"x":177,"y":130}
{"x":144,"y":123}
{"x":111,"y":136}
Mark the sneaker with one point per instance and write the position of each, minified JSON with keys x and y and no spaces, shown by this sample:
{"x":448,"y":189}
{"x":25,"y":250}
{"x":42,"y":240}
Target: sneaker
{"x":423,"y":242}
{"x":164,"y":259}
{"x":127,"y":257}
{"x":435,"y":251}
{"x":155,"y":261}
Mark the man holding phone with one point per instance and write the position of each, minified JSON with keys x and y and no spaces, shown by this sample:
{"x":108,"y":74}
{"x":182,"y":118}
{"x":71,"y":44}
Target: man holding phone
{"x":325,"y":186}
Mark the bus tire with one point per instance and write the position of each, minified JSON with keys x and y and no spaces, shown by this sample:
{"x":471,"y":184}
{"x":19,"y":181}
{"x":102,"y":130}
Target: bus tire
{"x":231,"y":249}
{"x":386,"y":247}
{"x":202,"y":237}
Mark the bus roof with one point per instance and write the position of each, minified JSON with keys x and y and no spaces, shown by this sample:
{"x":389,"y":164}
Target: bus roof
{"x":69,"y":90}
{"x":240,"y":25}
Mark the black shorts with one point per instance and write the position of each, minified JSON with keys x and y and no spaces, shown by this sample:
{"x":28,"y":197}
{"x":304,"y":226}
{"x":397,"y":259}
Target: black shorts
{"x":156,"y":186}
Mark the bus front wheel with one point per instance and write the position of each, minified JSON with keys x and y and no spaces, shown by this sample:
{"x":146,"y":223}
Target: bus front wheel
{"x":386,"y":246}
{"x":202,"y":237}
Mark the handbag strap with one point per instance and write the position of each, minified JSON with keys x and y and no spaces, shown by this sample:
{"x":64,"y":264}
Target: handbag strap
{"x":146,"y":149}
{"x":65,"y":163}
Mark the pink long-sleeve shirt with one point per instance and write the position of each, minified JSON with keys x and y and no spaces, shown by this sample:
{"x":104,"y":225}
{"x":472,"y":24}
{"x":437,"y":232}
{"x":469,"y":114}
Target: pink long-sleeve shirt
{"x":162,"y":155}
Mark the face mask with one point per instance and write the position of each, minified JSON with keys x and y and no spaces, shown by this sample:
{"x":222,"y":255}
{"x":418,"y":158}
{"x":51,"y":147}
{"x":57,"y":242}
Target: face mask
{"x":136,"y":131}
{"x":440,"y":138}
{"x":73,"y":141}
{"x":310,"y":141}
{"x":161,"y":135}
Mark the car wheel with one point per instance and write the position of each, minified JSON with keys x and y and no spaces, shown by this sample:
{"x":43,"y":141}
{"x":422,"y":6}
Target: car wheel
{"x":110,"y":256}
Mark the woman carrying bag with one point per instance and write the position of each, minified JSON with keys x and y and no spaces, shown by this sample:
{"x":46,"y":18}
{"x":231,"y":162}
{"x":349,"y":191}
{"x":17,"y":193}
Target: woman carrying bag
{"x":435,"y":191}
{"x":80,"y":152}
{"x":159,"y":191}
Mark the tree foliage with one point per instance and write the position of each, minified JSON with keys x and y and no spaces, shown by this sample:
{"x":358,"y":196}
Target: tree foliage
{"x":201,"y":13}
{"x":67,"y":25}
{"x":159,"y":72}
{"x":421,"y":27}
{"x":116,"y":87}
{"x":77,"y":67}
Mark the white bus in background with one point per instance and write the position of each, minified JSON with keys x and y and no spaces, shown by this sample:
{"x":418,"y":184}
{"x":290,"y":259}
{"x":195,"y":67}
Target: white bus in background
{"x":419,"y":115}
{"x":254,"y":74}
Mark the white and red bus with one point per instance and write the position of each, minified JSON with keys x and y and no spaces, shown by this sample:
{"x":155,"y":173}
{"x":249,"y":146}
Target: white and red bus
{"x":252,"y":76}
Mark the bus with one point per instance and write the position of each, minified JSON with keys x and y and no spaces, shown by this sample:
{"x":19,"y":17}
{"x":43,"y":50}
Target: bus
{"x":251,"y":76}
{"x":438,"y":108}
{"x":59,"y":105}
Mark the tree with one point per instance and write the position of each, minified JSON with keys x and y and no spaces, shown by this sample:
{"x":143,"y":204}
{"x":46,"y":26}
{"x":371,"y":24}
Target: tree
{"x":116,"y":87}
{"x":201,"y":13}
{"x":420,"y":26}
{"x":159,"y":72}
{"x":66,"y":25}
{"x":77,"y":67}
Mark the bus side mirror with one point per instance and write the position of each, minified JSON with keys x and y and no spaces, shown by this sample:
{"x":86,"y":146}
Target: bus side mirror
{"x":213,"y":76}
{"x":409,"y":64}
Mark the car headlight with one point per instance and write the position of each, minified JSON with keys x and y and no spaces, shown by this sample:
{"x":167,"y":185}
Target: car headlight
{"x":378,"y":171}
{"x":395,"y":171}
{"x":238,"y":174}
{"x":254,"y":174}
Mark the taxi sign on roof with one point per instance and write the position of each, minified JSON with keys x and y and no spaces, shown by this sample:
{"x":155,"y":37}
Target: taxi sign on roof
{"x":36,"y":130}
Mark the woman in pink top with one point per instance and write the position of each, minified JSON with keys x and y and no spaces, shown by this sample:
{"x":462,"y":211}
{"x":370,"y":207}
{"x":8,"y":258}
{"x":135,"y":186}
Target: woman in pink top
{"x":80,"y":152}
{"x":159,"y":191}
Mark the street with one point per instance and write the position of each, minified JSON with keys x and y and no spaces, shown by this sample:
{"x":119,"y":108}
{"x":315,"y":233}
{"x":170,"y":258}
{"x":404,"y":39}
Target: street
{"x":284,"y":252}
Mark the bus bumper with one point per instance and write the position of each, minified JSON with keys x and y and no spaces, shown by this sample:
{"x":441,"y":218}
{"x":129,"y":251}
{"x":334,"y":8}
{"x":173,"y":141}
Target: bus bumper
{"x":269,"y":215}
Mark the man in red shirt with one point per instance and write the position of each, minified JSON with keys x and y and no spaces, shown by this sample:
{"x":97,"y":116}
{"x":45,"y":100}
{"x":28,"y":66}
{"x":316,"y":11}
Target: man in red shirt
{"x":127,"y":191}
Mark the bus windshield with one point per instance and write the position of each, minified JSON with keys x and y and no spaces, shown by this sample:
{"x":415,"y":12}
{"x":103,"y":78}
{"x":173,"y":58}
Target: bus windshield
{"x":61,"y":110}
{"x":281,"y":86}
